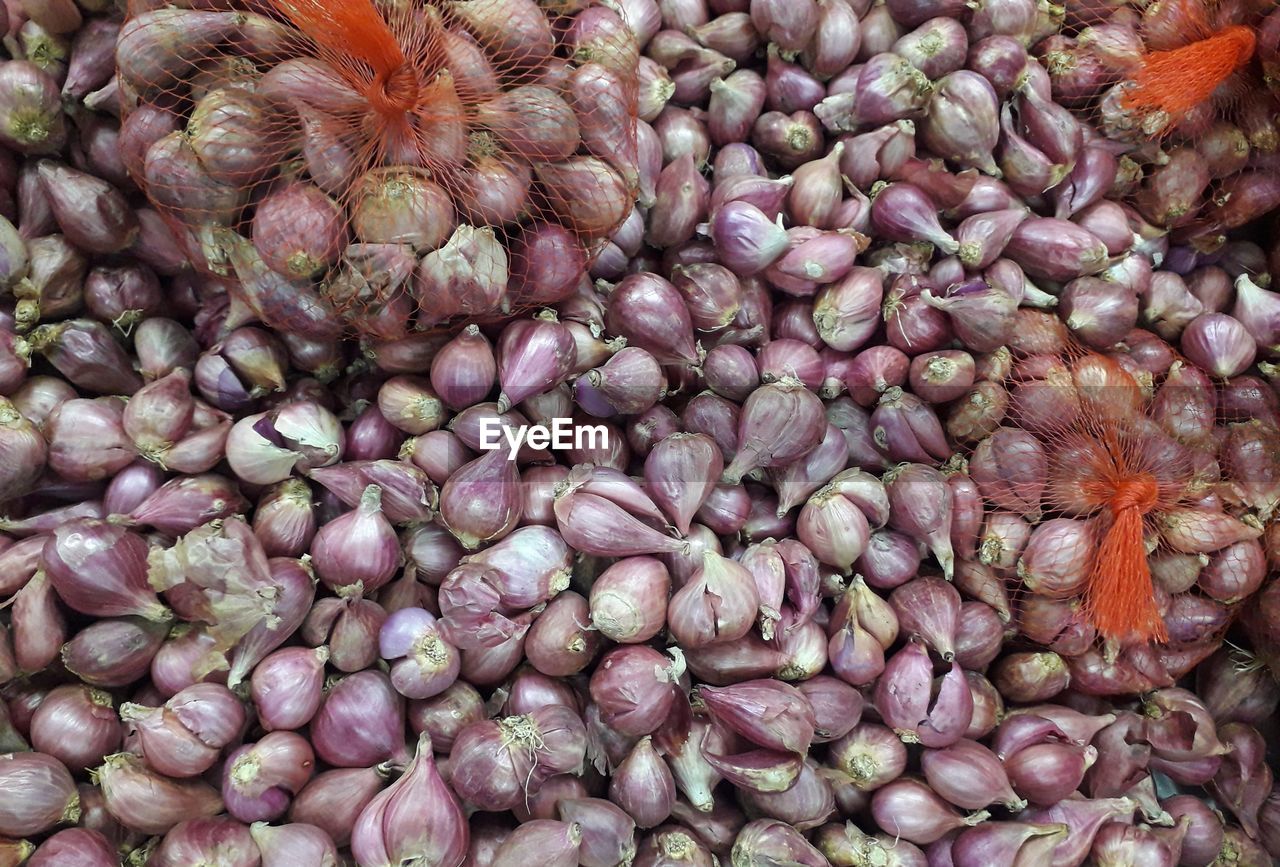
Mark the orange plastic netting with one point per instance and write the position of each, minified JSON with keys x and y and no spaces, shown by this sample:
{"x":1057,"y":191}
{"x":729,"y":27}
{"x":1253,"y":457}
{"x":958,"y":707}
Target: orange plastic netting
{"x":1192,"y":62}
{"x":380,"y":167}
{"x":1115,"y":468}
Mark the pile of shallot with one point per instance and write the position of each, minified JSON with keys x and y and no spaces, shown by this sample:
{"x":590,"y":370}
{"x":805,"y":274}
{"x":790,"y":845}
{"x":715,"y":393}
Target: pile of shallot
{"x":784,"y":539}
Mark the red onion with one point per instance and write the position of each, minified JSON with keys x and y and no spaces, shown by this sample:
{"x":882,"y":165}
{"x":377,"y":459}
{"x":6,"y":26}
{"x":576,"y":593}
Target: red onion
{"x":929,"y":608}
{"x":847,"y":844}
{"x":498,"y":762}
{"x":628,"y":600}
{"x":286,"y":687}
{"x":1029,"y":677}
{"x":76,"y":725}
{"x":557,"y":842}
{"x":1205,"y":835}
{"x":285,"y":520}
{"x":891,"y":559}
{"x":936,"y":47}
{"x":837,"y":707}
{"x":410,"y":405}
{"x":266,"y":448}
{"x":532,"y":357}
{"x":560,"y":643}
{"x":423,"y":663}
{"x":432,"y":552}
{"x":909,"y":701}
{"x":182,"y":504}
{"x":1119,"y":841}
{"x":260,"y":779}
{"x":203,"y":838}
{"x":769,"y":713}
{"x":717,"y":604}
{"x":1219,"y":344}
{"x":42,"y":794}
{"x":920,"y":506}
{"x":593,"y":524}
{"x":131,"y":791}
{"x":24,"y":451}
{"x":406,"y":495}
{"x":366,"y":696}
{"x":679,"y":473}
{"x":988,"y":706}
{"x":185,"y":736}
{"x":114,"y":652}
{"x":805,"y":805}
{"x":1244,"y":780}
{"x":416,"y":817}
{"x":650,"y":313}
{"x":287,"y":844}
{"x":746,"y":240}
{"x":902,"y":212}
{"x":633,"y":687}
{"x":763,"y":441}
{"x":1046,"y":773}
{"x":334,"y":799}
{"x":1008,"y":843}
{"x":479,"y":503}
{"x":906,"y":429}
{"x":961,"y":121}
{"x":37,"y":623}
{"x":1232,"y":693}
{"x":73,"y":846}
{"x":608,"y":833}
{"x":643,"y":785}
{"x":769,"y":840}
{"x":87,"y":441}
{"x":671,"y":845}
{"x":969,"y":776}
{"x":908,"y":808}
{"x":91,"y":213}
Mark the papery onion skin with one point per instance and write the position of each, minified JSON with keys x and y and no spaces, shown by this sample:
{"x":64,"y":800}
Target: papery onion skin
{"x":44,"y":794}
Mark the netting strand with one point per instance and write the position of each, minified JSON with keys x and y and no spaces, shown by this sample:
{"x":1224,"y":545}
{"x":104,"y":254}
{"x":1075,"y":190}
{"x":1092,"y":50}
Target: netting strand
{"x":1176,"y":81}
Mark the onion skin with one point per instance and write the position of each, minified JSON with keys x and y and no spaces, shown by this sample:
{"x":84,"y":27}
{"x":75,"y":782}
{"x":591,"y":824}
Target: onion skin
{"x":35,"y":126}
{"x":438,"y":833}
{"x":1056,"y":249}
{"x":88,"y":713}
{"x":367,"y":695}
{"x":633,"y":712}
{"x":49,"y":795}
{"x":920,"y":816}
{"x":123,"y":779}
{"x":93,"y":214}
{"x":75,"y":845}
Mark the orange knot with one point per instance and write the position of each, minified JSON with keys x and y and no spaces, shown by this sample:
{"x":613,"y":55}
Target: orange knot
{"x":1120,"y":599}
{"x":395,"y":91}
{"x":1136,"y":492}
{"x":1176,"y":80}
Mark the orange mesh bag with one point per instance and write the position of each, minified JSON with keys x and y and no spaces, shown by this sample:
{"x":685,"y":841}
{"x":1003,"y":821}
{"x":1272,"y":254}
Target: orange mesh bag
{"x":1100,"y":480}
{"x":381,"y":167}
{"x":1184,"y":91}
{"x":1143,"y":70}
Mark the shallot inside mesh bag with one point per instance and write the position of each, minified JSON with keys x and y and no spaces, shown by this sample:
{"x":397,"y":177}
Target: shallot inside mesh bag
{"x":1108,"y":477}
{"x":1146,"y":70}
{"x":376,"y":167}
{"x":1183,"y":95}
